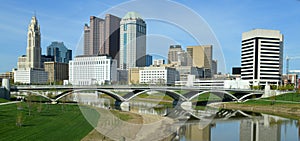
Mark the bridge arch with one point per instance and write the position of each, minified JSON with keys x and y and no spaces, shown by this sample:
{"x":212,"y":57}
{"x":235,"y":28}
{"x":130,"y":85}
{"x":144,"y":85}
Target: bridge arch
{"x":37,"y":93}
{"x":107,"y":92}
{"x":216,"y":93}
{"x":248,"y":95}
{"x":172,"y":94}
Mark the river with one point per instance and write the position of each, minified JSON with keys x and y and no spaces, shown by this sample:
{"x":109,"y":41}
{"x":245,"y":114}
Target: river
{"x":198,"y":125}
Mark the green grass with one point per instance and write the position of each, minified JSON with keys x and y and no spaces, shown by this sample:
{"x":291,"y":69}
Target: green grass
{"x":281,"y":99}
{"x":123,"y":116}
{"x":45,"y":122}
{"x":3,"y":100}
{"x":287,"y":97}
{"x":207,"y":97}
{"x":259,"y":102}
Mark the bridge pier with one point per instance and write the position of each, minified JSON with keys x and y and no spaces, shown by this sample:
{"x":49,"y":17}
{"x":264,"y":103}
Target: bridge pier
{"x":187,"y":105}
{"x":5,"y":91}
{"x":123,"y":105}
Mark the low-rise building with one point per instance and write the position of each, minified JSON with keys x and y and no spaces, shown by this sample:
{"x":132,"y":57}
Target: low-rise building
{"x":30,"y":76}
{"x":8,"y":75}
{"x":122,"y":76}
{"x":92,"y":70}
{"x":185,"y":71}
{"x":158,"y":62}
{"x":215,"y":84}
{"x":57,"y":72}
{"x":158,"y":75}
{"x":134,"y":75}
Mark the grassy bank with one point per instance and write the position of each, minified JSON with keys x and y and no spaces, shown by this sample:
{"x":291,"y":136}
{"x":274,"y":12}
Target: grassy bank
{"x":286,"y":105}
{"x":3,"y":100}
{"x":43,"y":122}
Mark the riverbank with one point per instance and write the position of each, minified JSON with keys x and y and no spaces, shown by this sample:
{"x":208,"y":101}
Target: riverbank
{"x":280,"y":109}
{"x":114,"y":124}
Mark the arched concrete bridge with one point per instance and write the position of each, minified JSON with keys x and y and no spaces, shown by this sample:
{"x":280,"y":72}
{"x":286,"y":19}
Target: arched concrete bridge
{"x":182,"y":99}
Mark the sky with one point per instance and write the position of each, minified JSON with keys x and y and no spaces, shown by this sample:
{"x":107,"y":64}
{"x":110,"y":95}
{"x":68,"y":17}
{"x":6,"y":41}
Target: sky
{"x":185,"y":22}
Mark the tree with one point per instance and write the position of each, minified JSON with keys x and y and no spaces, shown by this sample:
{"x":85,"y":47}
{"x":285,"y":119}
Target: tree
{"x":273,"y":87}
{"x":256,"y":87}
{"x":19,"y":119}
{"x":29,"y":102}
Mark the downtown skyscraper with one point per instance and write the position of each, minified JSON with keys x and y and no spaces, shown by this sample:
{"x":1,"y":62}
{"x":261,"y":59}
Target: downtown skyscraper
{"x":102,"y":36}
{"x":30,"y":70}
{"x":132,"y":41}
{"x":262,"y":56}
{"x":32,"y":59}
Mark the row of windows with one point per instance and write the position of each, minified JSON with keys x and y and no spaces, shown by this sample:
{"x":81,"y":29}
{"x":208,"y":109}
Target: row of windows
{"x":243,"y":44}
{"x":246,"y":50}
{"x":269,"y":56}
{"x":263,"y":45}
{"x":90,"y":63}
{"x":246,"y":47}
{"x":152,"y":74}
{"x":139,"y":28}
{"x":153,"y":77}
{"x":247,"y":53}
{"x":263,"y":52}
{"x":270,"y":49}
{"x":269,"y":71}
{"x":276,"y":60}
{"x":247,"y":64}
{"x":269,"y":63}
{"x":247,"y":70}
{"x":271,"y":67}
{"x":270,"y":42}
{"x":246,"y":57}
{"x":151,"y":71}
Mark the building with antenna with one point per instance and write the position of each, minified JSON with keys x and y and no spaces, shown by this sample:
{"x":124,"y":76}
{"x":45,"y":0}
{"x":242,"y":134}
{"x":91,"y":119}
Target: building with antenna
{"x":29,"y":66}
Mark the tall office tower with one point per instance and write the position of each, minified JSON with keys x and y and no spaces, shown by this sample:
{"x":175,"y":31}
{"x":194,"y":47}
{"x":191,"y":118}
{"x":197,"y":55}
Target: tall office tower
{"x":86,"y":38}
{"x":112,"y":37}
{"x":261,"y":59}
{"x":102,"y":36}
{"x":29,"y":66}
{"x":33,"y":44}
{"x":214,"y":67}
{"x":200,"y":56}
{"x":94,"y":36}
{"x":60,"y":52}
{"x":149,"y":60}
{"x":32,"y":59}
{"x":132,"y":41}
{"x":173,"y":53}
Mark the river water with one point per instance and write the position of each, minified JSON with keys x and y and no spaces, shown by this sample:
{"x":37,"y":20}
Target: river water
{"x":198,"y":125}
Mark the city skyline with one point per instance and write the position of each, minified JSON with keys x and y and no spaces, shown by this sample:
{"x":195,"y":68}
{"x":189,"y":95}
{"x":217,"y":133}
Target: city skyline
{"x":280,"y":18}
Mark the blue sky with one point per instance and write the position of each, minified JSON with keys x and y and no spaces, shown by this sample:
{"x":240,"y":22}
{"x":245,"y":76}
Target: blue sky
{"x":64,"y":20}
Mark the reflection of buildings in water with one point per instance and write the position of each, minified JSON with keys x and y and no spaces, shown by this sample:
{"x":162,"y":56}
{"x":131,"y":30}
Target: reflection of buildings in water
{"x":258,"y":130}
{"x":91,"y":99}
{"x":194,"y":132}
